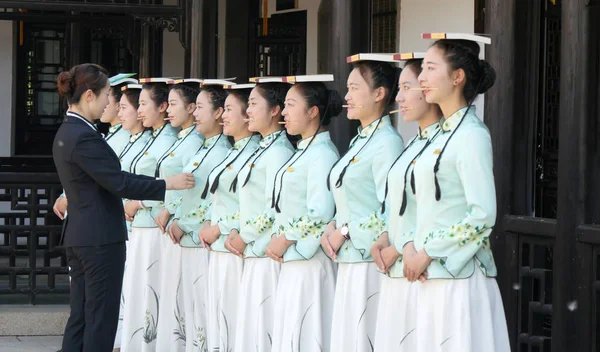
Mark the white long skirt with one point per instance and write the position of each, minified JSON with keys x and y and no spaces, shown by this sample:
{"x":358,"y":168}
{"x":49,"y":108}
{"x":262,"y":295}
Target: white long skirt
{"x":395,"y":328}
{"x":304,"y":305}
{"x":254,"y":330}
{"x":172,"y":334}
{"x":194,"y":278}
{"x":142,"y":300}
{"x":464,"y":315}
{"x":224,"y":281}
{"x":355,"y":307}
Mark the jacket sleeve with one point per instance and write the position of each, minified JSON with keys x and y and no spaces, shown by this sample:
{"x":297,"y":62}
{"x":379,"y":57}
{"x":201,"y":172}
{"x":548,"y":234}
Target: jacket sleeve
{"x":193,"y":221}
{"x":94,"y":158}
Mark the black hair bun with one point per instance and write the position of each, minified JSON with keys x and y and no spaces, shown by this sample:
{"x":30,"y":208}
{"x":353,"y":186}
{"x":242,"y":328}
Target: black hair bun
{"x":469,"y":46}
{"x":488,"y":76}
{"x":334,"y":105}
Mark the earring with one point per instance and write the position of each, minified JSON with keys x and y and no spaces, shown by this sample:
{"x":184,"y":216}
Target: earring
{"x":455,"y":83}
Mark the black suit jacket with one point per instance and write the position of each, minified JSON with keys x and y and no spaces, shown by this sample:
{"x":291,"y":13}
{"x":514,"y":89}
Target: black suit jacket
{"x":90,"y":173}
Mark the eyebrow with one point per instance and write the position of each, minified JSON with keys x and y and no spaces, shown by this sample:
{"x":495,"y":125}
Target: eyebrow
{"x":431,"y":63}
{"x":353,"y":84}
{"x":289,"y":100}
{"x":405,"y":82}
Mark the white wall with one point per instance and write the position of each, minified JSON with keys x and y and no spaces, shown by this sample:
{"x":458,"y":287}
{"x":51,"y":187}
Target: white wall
{"x":425,"y":16}
{"x":312,"y":14}
{"x":430,"y":16}
{"x":6,"y":90}
{"x":173,"y":53}
{"x":6,"y":99}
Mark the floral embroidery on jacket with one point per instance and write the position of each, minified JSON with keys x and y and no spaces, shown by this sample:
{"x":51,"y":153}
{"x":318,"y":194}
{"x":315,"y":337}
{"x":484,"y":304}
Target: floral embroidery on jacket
{"x":305,"y":227}
{"x":374,"y":224}
{"x":262,"y":222}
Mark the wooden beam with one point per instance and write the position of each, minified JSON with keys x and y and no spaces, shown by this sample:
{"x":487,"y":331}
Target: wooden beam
{"x":572,"y":169}
{"x":79,"y":6}
{"x":500,"y":117}
{"x":64,"y":17}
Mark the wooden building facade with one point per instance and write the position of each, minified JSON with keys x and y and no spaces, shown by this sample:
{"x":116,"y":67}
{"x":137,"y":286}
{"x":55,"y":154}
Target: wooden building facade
{"x":543,"y":114}
{"x":544,"y":117}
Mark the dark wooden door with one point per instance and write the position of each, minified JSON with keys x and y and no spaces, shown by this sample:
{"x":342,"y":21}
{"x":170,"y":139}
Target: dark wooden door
{"x":282,"y":52}
{"x":544,"y":118}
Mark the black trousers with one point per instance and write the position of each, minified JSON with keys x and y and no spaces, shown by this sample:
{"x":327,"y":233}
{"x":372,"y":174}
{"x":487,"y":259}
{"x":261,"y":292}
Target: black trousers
{"x":96,"y":280}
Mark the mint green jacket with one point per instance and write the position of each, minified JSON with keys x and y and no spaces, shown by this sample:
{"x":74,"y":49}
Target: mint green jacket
{"x":117,"y":138}
{"x":172,"y":162}
{"x":455,"y":229}
{"x":256,"y":214}
{"x":401,"y":228}
{"x":191,"y":210}
{"x":134,"y":146}
{"x":225,"y":207}
{"x":144,"y":163}
{"x":305,"y":204}
{"x":359,"y":196}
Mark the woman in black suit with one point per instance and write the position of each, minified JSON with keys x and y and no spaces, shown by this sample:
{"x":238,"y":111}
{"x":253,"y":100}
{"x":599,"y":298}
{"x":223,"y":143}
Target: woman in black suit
{"x":94,"y":233}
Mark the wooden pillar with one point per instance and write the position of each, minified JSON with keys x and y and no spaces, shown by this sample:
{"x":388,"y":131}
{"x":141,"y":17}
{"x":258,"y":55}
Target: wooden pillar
{"x":203,"y":38}
{"x":593,"y":211}
{"x":144,"y":70}
{"x":211,"y":42}
{"x":151,"y":44}
{"x":196,"y":38}
{"x":587,"y":244}
{"x":236,"y":37}
{"x":346,"y":28}
{"x":75,"y":44}
{"x":500,"y":117}
{"x":574,"y":124}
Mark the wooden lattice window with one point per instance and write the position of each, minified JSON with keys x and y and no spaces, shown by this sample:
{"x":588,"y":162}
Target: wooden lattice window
{"x":38,"y":113}
{"x":384,"y":26}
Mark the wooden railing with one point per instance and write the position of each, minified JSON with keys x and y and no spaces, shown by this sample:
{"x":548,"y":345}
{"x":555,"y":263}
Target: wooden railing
{"x":31,"y":263}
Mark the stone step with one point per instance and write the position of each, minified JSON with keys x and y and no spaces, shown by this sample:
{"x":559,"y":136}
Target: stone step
{"x":28,"y":320}
{"x":30,"y":343}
